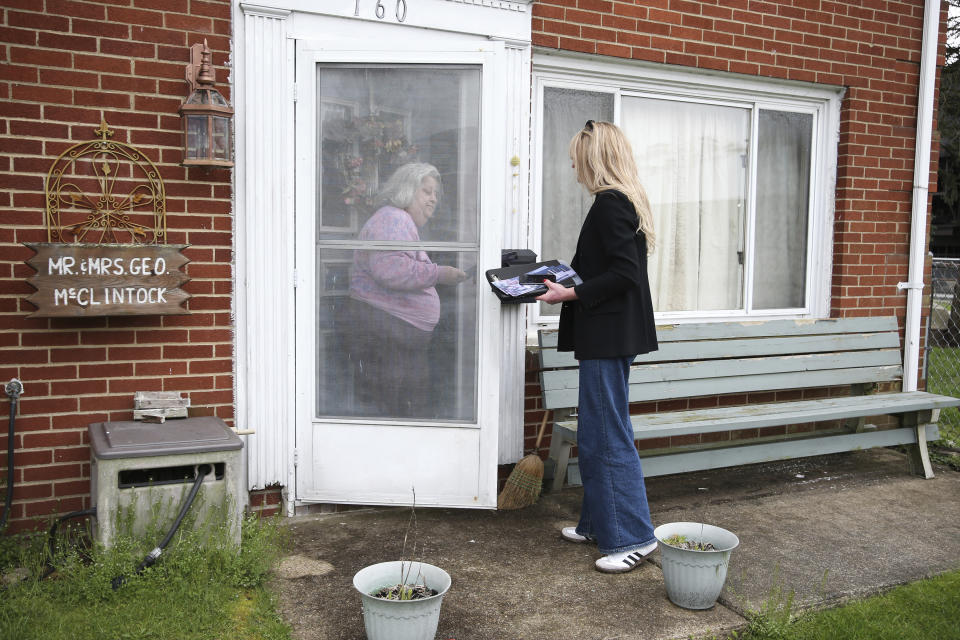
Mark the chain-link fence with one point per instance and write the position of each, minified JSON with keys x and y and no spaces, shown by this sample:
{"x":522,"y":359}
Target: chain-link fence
{"x":943,"y":343}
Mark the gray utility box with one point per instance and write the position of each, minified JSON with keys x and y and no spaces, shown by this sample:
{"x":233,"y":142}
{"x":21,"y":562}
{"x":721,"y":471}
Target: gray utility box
{"x":147,"y":470}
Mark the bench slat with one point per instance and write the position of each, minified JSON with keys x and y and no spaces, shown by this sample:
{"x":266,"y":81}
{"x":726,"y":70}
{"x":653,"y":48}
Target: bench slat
{"x":779,"y":450}
{"x":762,"y":328}
{"x":641,"y":374}
{"x":563,"y":398}
{"x":677,"y":423}
{"x":742,"y":347}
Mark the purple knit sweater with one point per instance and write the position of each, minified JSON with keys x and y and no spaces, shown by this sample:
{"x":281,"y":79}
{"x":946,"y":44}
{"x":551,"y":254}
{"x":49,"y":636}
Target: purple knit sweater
{"x":400,"y":282}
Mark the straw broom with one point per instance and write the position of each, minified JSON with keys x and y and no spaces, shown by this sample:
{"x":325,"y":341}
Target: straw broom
{"x":522,"y":487}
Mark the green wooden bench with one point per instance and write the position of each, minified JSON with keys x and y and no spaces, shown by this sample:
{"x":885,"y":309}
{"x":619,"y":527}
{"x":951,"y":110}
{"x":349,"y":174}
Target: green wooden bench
{"x":712,"y":359}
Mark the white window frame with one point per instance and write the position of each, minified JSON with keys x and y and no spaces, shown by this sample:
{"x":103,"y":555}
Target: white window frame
{"x":638,"y":79}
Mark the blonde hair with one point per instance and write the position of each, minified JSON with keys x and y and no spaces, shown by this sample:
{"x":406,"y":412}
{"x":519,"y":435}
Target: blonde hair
{"x":604,"y":160}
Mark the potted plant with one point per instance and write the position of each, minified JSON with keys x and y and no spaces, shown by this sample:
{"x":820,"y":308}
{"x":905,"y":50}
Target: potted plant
{"x":694,"y":558}
{"x":401,"y":598}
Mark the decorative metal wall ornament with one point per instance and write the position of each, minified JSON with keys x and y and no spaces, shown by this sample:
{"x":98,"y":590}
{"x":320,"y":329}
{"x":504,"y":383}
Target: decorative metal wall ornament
{"x":106,"y":253}
{"x":105,"y":192}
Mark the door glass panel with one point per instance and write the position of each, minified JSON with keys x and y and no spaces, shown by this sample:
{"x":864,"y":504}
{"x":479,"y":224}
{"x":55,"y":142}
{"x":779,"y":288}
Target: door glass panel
{"x":692,"y":160}
{"x":397,"y":242}
{"x":783,"y":203}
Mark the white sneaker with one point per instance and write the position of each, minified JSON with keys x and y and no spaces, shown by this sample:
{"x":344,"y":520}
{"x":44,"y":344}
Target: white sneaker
{"x":625,"y":560}
{"x":570,"y":535}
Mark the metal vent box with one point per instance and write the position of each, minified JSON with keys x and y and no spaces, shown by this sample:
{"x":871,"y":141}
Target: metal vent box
{"x":148,"y":469}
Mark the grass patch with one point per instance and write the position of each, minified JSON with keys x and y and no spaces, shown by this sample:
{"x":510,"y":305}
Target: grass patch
{"x":946,"y":458}
{"x":918,"y":611}
{"x":201,"y":588}
{"x":943,"y":377}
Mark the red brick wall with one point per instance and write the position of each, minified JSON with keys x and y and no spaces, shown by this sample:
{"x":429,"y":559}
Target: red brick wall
{"x":266,"y":502}
{"x":64,"y":64}
{"x":870,"y":47}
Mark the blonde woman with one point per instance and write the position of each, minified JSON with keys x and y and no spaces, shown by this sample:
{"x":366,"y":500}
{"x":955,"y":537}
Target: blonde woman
{"x":607,"y":321}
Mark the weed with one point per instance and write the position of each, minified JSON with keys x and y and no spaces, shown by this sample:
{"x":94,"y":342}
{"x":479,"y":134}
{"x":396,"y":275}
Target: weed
{"x":680,"y":541}
{"x":943,"y":377}
{"x":407,"y":588}
{"x":17,"y":549}
{"x":203,"y":587}
{"x":946,"y":458}
{"x":772,"y":621}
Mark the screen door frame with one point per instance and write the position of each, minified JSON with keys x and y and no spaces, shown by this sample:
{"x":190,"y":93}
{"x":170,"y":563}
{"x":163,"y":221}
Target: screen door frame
{"x":354,"y":461}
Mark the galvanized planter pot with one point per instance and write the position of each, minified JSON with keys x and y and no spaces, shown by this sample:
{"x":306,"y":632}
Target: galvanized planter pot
{"x":694,"y":579}
{"x":401,"y":619}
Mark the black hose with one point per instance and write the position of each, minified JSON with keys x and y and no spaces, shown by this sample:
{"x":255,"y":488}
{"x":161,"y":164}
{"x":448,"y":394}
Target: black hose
{"x":152,"y":557}
{"x":52,"y":537}
{"x":14,"y":388}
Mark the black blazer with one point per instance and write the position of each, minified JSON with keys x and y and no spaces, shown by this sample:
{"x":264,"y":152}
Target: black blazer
{"x":613,"y":315}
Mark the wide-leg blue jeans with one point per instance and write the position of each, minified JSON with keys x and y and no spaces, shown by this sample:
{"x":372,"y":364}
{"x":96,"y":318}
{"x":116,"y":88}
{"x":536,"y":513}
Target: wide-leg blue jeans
{"x":614,"y":511}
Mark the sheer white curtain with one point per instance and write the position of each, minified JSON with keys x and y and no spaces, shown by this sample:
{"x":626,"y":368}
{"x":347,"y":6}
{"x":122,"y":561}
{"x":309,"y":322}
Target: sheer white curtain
{"x":692,"y":162}
{"x":783,"y":202}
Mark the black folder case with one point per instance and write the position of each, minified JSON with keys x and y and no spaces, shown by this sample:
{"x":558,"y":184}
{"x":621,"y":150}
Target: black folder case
{"x":505,"y":273}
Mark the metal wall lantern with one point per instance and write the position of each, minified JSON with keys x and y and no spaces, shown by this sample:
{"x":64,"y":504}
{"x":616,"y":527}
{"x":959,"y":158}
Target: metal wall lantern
{"x":206,"y":116}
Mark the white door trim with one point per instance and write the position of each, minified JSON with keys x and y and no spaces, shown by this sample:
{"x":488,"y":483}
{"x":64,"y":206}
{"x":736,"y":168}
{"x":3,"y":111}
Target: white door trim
{"x":262,"y":244}
{"x":262,"y":81}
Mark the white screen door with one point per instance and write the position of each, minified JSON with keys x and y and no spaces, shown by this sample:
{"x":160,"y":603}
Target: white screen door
{"x":396,"y":351}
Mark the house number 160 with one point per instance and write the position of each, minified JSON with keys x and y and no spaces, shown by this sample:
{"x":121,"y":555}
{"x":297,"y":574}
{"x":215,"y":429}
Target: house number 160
{"x":381,"y":11}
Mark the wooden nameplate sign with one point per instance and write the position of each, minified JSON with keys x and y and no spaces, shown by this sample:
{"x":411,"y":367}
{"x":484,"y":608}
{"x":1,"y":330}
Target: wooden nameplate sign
{"x":85,"y":280}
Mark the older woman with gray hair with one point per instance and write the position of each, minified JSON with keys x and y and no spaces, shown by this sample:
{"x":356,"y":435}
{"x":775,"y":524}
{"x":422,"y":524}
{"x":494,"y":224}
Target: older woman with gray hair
{"x":394,"y":305}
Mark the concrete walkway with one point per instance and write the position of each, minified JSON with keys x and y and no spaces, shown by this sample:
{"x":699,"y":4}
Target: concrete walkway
{"x":828,"y":528}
